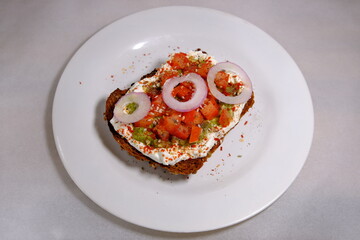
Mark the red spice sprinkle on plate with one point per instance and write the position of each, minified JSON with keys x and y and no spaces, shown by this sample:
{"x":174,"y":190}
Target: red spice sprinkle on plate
{"x":221,"y":148}
{"x":246,"y":122}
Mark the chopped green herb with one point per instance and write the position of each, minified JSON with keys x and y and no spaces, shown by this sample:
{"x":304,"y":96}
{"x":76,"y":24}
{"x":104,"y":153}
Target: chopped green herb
{"x":142,"y":135}
{"x":230,"y":89}
{"x":179,"y":141}
{"x":208,"y":126}
{"x":131,"y":107}
{"x":226,"y":105}
{"x":158,"y":143}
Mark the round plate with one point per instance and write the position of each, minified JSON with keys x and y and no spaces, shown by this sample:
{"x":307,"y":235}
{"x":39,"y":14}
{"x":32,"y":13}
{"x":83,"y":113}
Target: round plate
{"x":258,"y":160}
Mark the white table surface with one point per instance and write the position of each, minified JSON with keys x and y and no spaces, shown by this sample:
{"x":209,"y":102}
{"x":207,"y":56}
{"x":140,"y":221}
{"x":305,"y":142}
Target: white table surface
{"x":38,"y":200}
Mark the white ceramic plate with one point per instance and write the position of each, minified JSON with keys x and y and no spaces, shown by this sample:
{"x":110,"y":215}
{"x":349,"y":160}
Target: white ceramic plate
{"x":259,"y":160}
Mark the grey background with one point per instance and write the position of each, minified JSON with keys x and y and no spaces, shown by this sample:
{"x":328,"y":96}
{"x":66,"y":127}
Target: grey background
{"x":38,"y":200}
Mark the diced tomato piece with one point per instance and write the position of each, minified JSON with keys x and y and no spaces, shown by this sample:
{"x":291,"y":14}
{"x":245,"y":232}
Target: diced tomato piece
{"x":191,"y":68}
{"x":169,"y":112}
{"x":198,"y":119}
{"x":225,"y":118}
{"x":204,"y":69}
{"x":195,"y":134}
{"x":193,"y":117}
{"x":167,"y":75}
{"x":181,"y":131}
{"x":145,"y":122}
{"x":171,"y":122}
{"x":221,"y":79}
{"x":188,"y":84}
{"x":161,"y":132}
{"x":179,"y":61}
{"x":189,"y":117}
{"x":158,"y":106}
{"x":173,"y":125}
{"x":212,"y":99}
{"x":210,"y":109}
{"x":157,"y":100}
{"x":182,"y":92}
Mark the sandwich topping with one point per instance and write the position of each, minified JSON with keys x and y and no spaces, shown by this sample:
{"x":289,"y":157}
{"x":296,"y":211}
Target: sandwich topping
{"x":185,"y":108}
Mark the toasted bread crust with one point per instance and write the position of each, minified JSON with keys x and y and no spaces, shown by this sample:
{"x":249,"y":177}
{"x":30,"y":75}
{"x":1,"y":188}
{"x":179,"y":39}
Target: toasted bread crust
{"x":186,"y":167}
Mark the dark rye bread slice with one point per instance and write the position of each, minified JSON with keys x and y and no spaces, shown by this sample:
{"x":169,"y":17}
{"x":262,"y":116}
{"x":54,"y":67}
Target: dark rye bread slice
{"x":190,"y":166}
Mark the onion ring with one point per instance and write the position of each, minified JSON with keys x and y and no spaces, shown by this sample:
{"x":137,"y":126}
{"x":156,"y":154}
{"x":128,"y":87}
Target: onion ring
{"x":197,"y":97}
{"x":228,"y":66}
{"x":143,"y":107}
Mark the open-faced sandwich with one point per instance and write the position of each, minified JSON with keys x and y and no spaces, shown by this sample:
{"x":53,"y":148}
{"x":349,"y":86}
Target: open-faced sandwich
{"x":176,"y":116}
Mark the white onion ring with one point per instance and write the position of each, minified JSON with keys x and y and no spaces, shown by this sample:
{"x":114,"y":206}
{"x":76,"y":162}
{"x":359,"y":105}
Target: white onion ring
{"x":141,"y":99}
{"x":228,"y":66}
{"x":197,"y":98}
